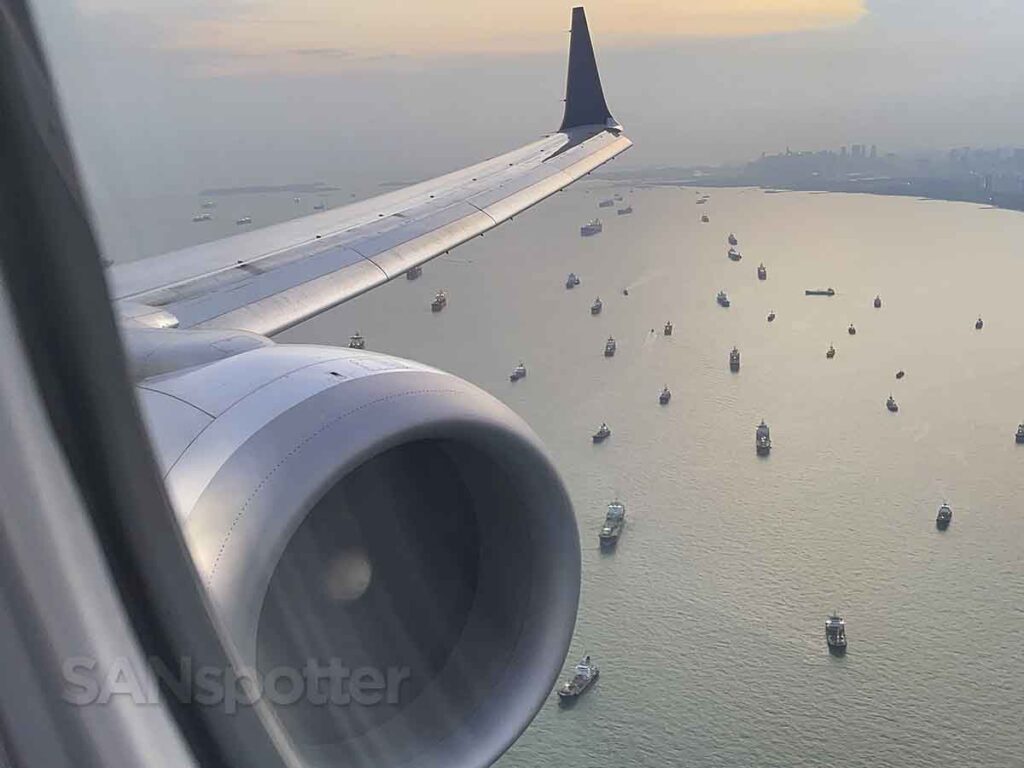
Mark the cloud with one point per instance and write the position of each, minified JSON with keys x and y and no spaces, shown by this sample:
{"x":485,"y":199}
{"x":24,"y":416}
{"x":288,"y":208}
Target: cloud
{"x":321,"y":34}
{"x":330,"y":52}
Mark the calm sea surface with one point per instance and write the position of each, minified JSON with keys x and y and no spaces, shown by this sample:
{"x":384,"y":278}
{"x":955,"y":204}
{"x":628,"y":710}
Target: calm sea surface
{"x":707,"y":621}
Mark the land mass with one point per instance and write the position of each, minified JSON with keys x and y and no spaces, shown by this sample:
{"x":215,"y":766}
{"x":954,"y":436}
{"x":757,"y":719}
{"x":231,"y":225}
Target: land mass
{"x":992,"y":177}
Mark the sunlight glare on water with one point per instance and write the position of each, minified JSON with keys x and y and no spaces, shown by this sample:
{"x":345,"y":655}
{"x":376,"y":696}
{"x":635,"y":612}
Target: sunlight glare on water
{"x":708,"y":620}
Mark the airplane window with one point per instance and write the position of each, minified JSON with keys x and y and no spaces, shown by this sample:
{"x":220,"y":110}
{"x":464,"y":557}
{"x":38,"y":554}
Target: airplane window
{"x":712,"y":459}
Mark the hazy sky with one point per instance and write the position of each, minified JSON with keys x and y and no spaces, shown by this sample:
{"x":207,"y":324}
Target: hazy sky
{"x":171,"y":96}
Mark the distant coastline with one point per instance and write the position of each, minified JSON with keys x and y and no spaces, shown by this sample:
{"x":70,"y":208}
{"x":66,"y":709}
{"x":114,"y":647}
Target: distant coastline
{"x":306,"y":189}
{"x":984,"y":176}
{"x":930,"y":189}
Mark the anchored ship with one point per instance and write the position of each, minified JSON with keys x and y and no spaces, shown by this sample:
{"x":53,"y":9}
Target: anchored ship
{"x":835,"y":633}
{"x":583,"y":676}
{"x":614,"y":522}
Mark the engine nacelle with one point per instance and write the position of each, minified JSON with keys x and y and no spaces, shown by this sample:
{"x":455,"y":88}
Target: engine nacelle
{"x":359,"y":512}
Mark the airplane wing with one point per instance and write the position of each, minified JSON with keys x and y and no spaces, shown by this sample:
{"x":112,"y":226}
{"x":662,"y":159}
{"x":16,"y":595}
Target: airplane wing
{"x":269,"y":279}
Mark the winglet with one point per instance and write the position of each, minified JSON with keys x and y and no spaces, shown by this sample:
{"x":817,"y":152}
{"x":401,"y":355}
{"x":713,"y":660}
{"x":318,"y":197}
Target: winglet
{"x":584,"y":99}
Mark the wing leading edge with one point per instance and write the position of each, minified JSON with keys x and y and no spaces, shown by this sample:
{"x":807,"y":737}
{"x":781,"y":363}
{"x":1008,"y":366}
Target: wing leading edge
{"x":270,"y":279}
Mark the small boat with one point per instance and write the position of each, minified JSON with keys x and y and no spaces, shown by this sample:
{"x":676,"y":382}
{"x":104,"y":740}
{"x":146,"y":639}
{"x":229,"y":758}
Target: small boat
{"x":771,"y":317}
{"x":519,"y":372}
{"x":835,"y":633}
{"x":705,"y":218}
{"x":606,"y":203}
{"x":665,"y":396}
{"x":733,"y":240}
{"x":610,"y":347}
{"x":440,"y":301}
{"x":734,"y":360}
{"x":318,"y":207}
{"x":592,"y":227}
{"x":596,"y":307}
{"x":878,"y":302}
{"x":831,"y":352}
{"x":602,"y":434}
{"x":722,"y":299}
{"x":820,"y":292}
{"x":734,"y":255}
{"x":891,"y":405}
{"x":762,"y":273}
{"x":244,"y":220}
{"x":624,"y":211}
{"x":900,"y":374}
{"x":413,"y":272}
{"x":979,"y":325}
{"x":583,"y":676}
{"x":668,"y":328}
{"x":944,"y":517}
{"x":614,"y":522}
{"x":356,"y":341}
{"x":571,"y":281}
{"x":763,"y":439}
{"x":1020,"y":434}
{"x":851,"y":330}
{"x":202,"y":217}
{"x":625,"y":291}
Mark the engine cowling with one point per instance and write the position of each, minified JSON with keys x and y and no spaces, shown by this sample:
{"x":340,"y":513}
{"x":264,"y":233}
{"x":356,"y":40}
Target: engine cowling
{"x":356,"y":511}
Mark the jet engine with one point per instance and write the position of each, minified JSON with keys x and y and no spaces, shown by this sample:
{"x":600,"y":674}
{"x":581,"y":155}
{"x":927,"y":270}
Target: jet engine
{"x":389,"y":547}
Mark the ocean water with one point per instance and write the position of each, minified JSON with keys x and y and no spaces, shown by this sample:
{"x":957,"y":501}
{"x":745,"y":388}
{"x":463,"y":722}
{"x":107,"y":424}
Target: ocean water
{"x":707,"y":621}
